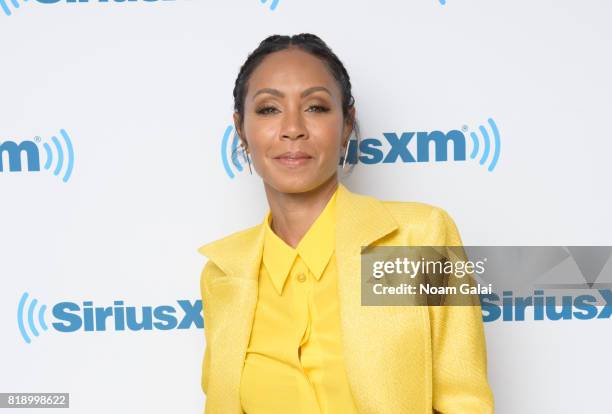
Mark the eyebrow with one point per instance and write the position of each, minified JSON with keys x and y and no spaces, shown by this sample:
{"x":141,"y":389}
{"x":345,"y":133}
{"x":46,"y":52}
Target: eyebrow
{"x":278,"y":93}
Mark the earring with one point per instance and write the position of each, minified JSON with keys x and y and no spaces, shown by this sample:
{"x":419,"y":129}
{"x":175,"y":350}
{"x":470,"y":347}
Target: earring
{"x":247,"y":159}
{"x":348,"y":143}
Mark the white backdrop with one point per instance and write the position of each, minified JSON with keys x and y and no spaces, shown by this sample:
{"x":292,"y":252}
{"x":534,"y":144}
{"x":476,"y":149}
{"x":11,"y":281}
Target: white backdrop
{"x":144,"y":92}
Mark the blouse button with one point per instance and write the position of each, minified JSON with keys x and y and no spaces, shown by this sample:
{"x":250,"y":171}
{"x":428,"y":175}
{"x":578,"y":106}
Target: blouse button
{"x":301,"y":277}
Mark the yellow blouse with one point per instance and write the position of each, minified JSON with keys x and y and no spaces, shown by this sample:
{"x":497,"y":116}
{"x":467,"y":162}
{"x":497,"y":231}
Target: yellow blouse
{"x":294,"y":360}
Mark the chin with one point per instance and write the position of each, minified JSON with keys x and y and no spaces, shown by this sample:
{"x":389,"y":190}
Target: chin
{"x":295,"y":184}
{"x":299,"y":183}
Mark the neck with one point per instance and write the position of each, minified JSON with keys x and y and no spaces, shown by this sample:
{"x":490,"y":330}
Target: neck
{"x":294,"y":213}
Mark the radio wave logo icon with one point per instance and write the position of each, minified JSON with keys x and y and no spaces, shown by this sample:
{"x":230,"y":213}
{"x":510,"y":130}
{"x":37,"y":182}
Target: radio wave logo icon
{"x":487,"y":143}
{"x":229,"y":152}
{"x":5,"y":7}
{"x":59,"y":159}
{"x":30,"y":317}
{"x":273,"y":3}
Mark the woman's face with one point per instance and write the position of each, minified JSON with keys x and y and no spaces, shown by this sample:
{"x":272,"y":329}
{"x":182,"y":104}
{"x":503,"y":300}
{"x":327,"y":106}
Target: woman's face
{"x":293,"y":122}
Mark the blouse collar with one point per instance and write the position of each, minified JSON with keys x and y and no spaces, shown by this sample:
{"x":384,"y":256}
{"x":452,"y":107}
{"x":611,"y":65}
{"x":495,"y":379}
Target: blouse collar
{"x":315,"y":248}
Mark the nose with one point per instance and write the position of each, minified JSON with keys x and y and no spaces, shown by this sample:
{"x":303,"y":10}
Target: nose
{"x":293,"y":125}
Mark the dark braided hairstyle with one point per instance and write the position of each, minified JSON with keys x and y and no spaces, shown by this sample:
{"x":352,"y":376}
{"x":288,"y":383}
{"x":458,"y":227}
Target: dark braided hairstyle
{"x":309,"y":43}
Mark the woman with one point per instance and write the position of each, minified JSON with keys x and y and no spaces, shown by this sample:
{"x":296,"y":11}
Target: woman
{"x":285,"y":329}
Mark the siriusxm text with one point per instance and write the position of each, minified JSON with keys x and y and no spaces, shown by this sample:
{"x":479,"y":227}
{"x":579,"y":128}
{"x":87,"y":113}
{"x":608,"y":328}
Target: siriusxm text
{"x":72,"y":317}
{"x":554,"y":308}
{"x":397,"y":148}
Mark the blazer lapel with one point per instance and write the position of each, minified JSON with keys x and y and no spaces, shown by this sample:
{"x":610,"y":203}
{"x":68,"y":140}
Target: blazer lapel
{"x":360,"y":221}
{"x":233,"y":296}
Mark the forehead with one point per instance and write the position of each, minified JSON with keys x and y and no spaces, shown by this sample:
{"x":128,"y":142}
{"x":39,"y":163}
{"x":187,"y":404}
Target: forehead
{"x":291,"y":69}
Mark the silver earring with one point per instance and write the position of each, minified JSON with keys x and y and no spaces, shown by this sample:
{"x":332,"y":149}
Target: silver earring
{"x":247,"y":159}
{"x":348,"y":143}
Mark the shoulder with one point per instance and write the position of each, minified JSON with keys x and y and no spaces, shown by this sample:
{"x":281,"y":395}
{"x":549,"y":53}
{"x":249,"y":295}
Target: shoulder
{"x":430,"y":222}
{"x":412,"y":210}
{"x":227,"y":246}
{"x":405,"y":211}
{"x":222,"y":252}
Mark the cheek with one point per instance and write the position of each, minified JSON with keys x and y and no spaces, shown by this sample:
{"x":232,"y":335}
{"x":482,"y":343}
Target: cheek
{"x":328,"y":129}
{"x":329,"y":137}
{"x":259,"y":134}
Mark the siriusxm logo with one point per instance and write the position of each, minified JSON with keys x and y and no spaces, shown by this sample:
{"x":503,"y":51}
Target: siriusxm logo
{"x":5,"y":5}
{"x":404,"y":147}
{"x":554,"y":308}
{"x":73,"y":317}
{"x":64,"y":156}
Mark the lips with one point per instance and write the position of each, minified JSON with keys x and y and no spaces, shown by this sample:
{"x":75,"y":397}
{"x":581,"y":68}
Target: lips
{"x":293,"y":155}
{"x":294,"y":159}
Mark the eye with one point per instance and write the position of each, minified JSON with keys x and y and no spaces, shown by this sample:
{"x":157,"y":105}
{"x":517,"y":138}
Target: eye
{"x":266,"y":110}
{"x":319,"y":108}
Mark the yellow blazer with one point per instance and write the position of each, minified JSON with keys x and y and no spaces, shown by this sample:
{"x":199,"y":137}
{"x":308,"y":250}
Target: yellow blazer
{"x":398,"y":359}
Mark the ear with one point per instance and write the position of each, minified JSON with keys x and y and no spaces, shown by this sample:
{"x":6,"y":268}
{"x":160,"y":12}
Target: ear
{"x":237,"y":122}
{"x":348,"y":126}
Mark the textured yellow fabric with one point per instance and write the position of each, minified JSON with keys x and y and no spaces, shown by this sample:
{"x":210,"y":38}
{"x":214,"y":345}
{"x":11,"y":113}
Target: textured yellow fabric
{"x":294,"y":360}
{"x":398,"y":359}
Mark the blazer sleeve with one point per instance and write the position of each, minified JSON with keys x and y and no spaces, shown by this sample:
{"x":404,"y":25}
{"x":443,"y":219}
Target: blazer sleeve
{"x":459,"y":359}
{"x":206,"y":359}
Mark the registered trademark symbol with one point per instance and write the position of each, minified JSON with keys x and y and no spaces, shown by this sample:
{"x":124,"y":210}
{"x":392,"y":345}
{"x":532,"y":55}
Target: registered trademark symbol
{"x":37,"y":138}
{"x":464,"y":128}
